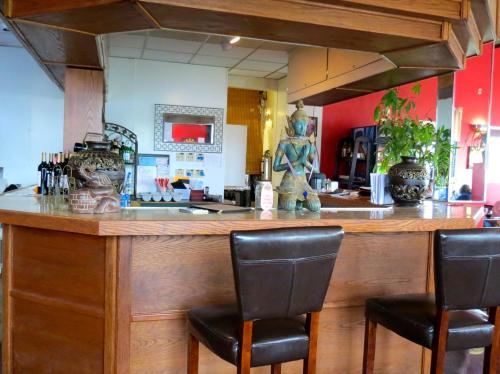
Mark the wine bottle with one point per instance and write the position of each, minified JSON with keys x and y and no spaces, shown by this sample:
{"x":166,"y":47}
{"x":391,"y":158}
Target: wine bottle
{"x":41,"y":175}
{"x":49,"y":180}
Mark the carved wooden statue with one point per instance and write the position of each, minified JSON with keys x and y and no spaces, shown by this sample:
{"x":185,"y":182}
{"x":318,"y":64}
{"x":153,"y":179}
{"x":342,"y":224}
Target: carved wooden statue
{"x":294,"y":155}
{"x":99,"y":195}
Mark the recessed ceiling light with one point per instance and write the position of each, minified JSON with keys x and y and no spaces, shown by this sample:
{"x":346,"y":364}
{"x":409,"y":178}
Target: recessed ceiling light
{"x":235,"y":40}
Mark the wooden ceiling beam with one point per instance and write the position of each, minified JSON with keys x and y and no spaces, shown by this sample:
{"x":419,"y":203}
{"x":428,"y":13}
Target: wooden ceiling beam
{"x":316,"y":14}
{"x":485,"y":12}
{"x":23,"y":8}
{"x":438,"y":9}
{"x":468,"y":35}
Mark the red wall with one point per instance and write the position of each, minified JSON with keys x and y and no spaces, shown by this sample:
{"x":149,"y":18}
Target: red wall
{"x":339,"y":118}
{"x":493,"y":189}
{"x":472,"y":93}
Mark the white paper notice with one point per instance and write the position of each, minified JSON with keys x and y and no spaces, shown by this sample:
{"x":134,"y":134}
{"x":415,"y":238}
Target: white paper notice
{"x":213,"y":160}
{"x":146,"y":179}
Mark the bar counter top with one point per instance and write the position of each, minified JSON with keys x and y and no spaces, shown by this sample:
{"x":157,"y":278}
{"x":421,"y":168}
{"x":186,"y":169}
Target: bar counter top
{"x":43,"y":213}
{"x":107,"y":294}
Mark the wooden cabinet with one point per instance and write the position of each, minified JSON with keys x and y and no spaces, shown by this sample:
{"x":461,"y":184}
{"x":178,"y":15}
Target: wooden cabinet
{"x":343,"y":61}
{"x":316,"y":75}
{"x":307,"y":66}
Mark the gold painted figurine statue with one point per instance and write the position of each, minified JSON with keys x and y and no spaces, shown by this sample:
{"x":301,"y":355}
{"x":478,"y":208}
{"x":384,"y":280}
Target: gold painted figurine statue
{"x":294,"y":155}
{"x":99,"y":195}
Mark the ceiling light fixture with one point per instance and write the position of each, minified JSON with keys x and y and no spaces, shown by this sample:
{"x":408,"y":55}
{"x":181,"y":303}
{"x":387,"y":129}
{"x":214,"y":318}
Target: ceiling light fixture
{"x":234,"y":39}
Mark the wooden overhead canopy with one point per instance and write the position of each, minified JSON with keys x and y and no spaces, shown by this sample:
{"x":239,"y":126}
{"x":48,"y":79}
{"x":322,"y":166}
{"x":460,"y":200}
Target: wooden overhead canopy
{"x":62,"y":33}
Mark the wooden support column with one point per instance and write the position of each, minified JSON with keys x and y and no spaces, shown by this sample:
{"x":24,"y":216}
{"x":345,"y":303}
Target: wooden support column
{"x":83,"y":104}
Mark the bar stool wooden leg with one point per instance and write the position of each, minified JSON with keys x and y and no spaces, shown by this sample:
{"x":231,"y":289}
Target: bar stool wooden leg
{"x":312,"y":324}
{"x":439,"y":346}
{"x":492,"y":353}
{"x":276,"y":369}
{"x":369,"y":346}
{"x":245,"y":354}
{"x":193,"y":355}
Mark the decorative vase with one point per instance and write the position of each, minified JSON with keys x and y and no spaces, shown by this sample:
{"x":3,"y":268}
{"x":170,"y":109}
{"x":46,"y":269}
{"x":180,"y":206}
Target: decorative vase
{"x":98,"y":154}
{"x":408,"y":182}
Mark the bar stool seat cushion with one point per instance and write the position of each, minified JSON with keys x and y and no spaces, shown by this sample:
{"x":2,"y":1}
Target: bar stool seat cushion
{"x":413,"y":317}
{"x":273,"y":340}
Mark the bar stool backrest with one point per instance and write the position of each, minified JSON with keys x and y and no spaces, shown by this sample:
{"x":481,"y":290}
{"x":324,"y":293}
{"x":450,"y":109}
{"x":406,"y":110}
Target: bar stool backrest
{"x":467,"y":268}
{"x":281,"y":273}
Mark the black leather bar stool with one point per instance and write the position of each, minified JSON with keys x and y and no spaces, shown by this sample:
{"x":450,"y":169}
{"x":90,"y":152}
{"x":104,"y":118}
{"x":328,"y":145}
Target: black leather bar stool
{"x":467,"y":277}
{"x":279,"y":275}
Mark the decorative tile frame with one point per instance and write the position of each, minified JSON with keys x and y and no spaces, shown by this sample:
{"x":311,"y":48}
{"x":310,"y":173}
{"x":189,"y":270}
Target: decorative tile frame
{"x":160,"y":145}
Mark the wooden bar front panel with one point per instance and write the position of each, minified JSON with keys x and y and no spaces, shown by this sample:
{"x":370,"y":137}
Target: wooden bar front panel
{"x":55,"y":297}
{"x":172,"y":274}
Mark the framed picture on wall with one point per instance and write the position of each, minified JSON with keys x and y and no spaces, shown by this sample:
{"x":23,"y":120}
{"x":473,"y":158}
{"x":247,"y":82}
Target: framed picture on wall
{"x":181,"y":128}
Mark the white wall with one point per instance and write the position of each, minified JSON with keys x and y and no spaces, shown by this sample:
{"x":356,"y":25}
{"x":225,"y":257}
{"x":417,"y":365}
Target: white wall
{"x":135,"y":86}
{"x":31,"y":115}
{"x":235,"y":152}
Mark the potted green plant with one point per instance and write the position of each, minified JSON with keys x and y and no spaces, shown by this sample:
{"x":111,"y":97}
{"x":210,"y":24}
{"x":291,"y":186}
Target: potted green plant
{"x":408,"y":149}
{"x":441,"y":163}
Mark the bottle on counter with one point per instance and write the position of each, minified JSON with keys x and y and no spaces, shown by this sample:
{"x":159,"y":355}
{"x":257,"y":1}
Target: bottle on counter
{"x":126,"y":189}
{"x":42,"y":170}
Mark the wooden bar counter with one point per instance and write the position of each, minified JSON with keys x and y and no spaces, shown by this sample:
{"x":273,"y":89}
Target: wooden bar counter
{"x":108,"y":293}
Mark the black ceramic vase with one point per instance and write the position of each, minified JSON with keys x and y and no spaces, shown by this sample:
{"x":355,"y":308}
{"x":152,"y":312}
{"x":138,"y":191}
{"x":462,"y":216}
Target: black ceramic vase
{"x":408,"y":182}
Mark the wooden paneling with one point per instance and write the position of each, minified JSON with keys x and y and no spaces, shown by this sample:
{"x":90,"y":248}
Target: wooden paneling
{"x":179,"y":273}
{"x":341,"y":61}
{"x":448,"y":9}
{"x":61,"y":46}
{"x":54,"y":302}
{"x":395,"y":78}
{"x":307,"y":66}
{"x":45,"y":265}
{"x":58,"y":72}
{"x":63,"y":32}
{"x":110,"y":305}
{"x":429,"y":57}
{"x":48,"y":339}
{"x":316,"y":14}
{"x":468,"y":35}
{"x":159,"y":347}
{"x":365,"y":267}
{"x":116,"y":17}
{"x":7,"y":251}
{"x":300,"y":32}
{"x":485,"y":14}
{"x":83,"y":104}
{"x":21,"y":8}
{"x":124,"y":308}
{"x":243,"y":108}
{"x":332,"y":96}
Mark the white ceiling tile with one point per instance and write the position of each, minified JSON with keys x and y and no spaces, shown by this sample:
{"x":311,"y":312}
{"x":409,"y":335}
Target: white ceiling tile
{"x":276,"y":75}
{"x":259,"y":65}
{"x":126,"y":40}
{"x":125,"y":52}
{"x":167,"y":56}
{"x":172,"y":45}
{"x":280,"y":57}
{"x":214,"y":61}
{"x":216,"y":50}
{"x":249,"y":73}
